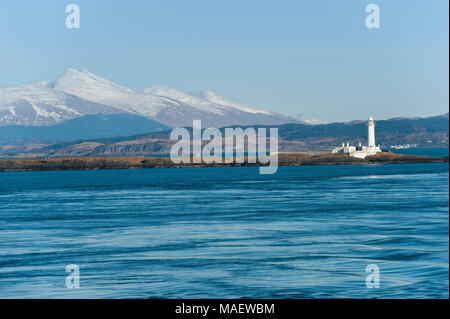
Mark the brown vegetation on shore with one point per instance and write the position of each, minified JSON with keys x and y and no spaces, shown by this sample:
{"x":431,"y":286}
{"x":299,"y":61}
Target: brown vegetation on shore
{"x":134,"y":162}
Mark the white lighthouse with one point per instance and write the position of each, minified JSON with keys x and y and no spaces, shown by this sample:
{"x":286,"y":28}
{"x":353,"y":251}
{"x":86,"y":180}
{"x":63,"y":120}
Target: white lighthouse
{"x":371,"y":133}
{"x":361,"y":151}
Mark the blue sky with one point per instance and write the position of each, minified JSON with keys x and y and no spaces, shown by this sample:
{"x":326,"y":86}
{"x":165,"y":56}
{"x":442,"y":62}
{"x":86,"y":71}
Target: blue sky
{"x":314,"y":58}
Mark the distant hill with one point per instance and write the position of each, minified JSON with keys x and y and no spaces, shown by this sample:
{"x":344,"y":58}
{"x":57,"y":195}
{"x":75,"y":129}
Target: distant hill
{"x":425,"y":132}
{"x":85,"y":127}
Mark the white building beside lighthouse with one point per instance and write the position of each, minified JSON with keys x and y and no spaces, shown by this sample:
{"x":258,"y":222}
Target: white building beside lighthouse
{"x":361,"y":151}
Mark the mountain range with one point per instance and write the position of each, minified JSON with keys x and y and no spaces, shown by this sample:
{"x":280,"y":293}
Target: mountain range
{"x":78,"y":93}
{"x":81,"y":113}
{"x":424,"y":132}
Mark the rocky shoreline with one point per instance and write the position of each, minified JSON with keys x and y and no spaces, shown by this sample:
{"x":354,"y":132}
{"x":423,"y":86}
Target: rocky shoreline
{"x":137,"y":162}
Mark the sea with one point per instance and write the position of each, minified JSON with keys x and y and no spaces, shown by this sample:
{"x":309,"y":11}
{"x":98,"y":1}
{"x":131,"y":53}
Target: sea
{"x":357,"y":231}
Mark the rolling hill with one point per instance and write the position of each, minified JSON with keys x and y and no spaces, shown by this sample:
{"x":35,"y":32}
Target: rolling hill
{"x":425,"y":132}
{"x":85,"y":127}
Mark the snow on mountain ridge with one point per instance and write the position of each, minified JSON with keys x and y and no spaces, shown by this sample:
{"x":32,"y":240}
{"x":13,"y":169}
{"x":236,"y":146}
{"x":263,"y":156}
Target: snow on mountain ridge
{"x":176,"y":95}
{"x":36,"y":104}
{"x":213,"y":98}
{"x":95,"y":88}
{"x":92,"y":87}
{"x":89,"y":86}
{"x":69,"y":95}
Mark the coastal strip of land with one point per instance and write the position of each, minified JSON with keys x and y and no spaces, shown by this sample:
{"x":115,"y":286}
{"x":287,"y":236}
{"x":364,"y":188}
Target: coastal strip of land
{"x":136,"y":162}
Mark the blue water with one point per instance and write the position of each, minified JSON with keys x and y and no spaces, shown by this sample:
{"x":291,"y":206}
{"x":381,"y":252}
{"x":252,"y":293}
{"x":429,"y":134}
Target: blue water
{"x":432,"y":151}
{"x":305,"y":232}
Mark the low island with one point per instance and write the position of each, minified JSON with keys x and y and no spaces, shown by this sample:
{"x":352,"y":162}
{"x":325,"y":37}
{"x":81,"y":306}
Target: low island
{"x":135,"y":162}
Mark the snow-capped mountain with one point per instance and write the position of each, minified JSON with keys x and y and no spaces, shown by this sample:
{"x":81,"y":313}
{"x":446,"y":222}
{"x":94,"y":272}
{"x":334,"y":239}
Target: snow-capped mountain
{"x":79,"y":91}
{"x":36,"y":104}
{"x":215,"y":99}
{"x":94,"y":88}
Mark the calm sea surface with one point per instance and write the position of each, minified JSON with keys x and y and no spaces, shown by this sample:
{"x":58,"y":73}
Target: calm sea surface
{"x":305,"y":232}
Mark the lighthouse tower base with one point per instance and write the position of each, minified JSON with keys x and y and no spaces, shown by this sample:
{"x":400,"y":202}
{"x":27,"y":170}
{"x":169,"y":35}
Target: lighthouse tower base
{"x":363,"y":154}
{"x":357,"y":151}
